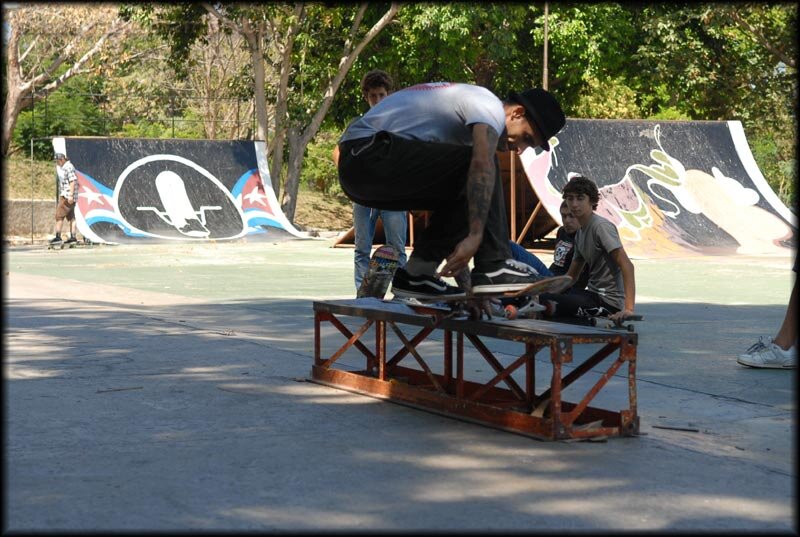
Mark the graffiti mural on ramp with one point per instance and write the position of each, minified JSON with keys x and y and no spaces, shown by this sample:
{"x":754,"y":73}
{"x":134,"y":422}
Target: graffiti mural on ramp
{"x":181,"y":190}
{"x":672,"y":187}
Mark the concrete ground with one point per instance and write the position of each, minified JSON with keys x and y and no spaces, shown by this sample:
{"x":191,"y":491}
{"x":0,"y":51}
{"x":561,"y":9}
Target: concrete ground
{"x":163,"y":388}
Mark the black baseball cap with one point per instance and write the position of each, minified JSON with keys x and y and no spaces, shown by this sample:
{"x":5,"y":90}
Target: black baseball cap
{"x":543,"y":109}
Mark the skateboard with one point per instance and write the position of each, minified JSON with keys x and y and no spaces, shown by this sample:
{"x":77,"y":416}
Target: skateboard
{"x":472,"y":301}
{"x":381,"y":269}
{"x":601,"y":322}
{"x":605,"y":322}
{"x":63,"y":244}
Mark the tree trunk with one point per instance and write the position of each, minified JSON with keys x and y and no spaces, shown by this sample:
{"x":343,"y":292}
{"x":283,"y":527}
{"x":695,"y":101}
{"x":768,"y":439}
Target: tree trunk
{"x":297,"y":148}
{"x":11,"y":110}
{"x":299,"y":141}
{"x":14,"y":95}
{"x":282,"y":101}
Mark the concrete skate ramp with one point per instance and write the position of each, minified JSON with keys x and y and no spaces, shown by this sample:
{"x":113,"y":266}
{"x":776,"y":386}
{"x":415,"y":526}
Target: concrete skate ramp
{"x":671,"y":187}
{"x":173,"y":190}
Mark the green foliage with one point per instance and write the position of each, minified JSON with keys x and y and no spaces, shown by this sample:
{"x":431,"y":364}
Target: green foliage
{"x":775,"y":155}
{"x":319,"y":173}
{"x":67,"y":112}
{"x":662,"y":61}
{"x":610,"y":99}
{"x":586,"y":42}
{"x":180,"y":24}
{"x":669,"y":114}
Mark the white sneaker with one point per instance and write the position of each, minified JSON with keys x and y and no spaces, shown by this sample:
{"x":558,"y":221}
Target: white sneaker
{"x":769,"y":356}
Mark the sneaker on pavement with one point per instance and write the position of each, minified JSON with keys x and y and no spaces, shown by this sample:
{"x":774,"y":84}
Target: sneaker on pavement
{"x":511,"y":275}
{"x":769,"y":356}
{"x":406,"y":285}
{"x":758,"y":345}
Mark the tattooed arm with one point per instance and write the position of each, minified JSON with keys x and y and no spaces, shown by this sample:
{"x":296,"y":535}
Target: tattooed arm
{"x":480,"y":186}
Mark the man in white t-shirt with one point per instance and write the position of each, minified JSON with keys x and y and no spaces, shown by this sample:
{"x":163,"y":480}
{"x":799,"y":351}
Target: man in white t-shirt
{"x":433,"y":147}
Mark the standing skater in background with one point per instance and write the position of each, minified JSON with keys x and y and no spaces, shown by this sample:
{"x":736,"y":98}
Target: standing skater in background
{"x":375,"y":86}
{"x":67,"y":196}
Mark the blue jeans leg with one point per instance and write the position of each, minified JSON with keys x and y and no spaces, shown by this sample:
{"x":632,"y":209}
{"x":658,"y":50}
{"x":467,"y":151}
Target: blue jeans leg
{"x":364,"y":219}
{"x":521,"y":254}
{"x":395,"y":228}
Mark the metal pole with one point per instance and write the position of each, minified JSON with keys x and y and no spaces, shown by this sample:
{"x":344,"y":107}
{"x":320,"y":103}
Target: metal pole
{"x":31,"y":189}
{"x":544,"y":71}
{"x":172,"y":113}
{"x":33,"y":135}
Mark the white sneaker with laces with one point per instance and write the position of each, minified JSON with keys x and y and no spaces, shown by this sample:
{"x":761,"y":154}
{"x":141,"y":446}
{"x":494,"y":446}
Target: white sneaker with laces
{"x":769,"y":356}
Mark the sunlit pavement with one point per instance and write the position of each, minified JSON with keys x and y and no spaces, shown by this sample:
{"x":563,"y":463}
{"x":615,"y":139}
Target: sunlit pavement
{"x":164,"y":388}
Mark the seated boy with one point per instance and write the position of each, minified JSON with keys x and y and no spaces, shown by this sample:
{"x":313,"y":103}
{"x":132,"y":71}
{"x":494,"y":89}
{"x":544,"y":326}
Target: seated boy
{"x":611,"y":289}
{"x":562,"y":254}
{"x":562,"y":257}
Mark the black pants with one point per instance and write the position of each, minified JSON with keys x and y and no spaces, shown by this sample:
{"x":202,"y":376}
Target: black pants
{"x":577,"y":303}
{"x":389,"y":172}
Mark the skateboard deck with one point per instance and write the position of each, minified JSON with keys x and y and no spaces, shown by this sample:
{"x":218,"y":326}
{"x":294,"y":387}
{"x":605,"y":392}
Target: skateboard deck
{"x":605,"y":322}
{"x":601,"y":322}
{"x":63,"y":244}
{"x":380,"y":272}
{"x":553,"y":284}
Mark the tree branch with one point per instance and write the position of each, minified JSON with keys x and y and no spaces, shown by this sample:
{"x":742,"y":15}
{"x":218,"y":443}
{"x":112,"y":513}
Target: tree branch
{"x":77,"y":67}
{"x":224,"y":19}
{"x":759,"y":37}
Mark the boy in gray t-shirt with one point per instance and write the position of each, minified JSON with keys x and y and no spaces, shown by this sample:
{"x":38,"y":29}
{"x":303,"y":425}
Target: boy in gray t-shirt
{"x":611,"y":290}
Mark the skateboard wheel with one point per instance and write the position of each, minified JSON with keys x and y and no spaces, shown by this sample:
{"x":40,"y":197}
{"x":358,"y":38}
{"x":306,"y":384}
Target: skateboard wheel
{"x":511,"y":312}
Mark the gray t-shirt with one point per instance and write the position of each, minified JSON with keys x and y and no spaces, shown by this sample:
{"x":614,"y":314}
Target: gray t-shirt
{"x":593,"y":245}
{"x":436,"y":112}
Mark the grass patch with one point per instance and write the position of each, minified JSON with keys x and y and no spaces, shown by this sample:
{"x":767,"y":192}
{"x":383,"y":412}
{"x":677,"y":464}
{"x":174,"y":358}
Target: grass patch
{"x":26,"y":179}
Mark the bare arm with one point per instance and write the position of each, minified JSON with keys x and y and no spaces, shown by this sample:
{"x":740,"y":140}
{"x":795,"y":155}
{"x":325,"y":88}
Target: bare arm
{"x":335,"y":155}
{"x":575,"y":269}
{"x":480,"y":185}
{"x":628,"y":281}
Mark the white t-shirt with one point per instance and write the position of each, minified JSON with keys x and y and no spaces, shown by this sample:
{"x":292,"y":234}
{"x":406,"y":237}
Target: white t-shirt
{"x":435,"y":112}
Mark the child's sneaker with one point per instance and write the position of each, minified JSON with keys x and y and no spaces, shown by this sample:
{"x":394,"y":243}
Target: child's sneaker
{"x":406,"y":285}
{"x":71,"y":240}
{"x":511,"y":275}
{"x":55,"y":240}
{"x":769,"y":356}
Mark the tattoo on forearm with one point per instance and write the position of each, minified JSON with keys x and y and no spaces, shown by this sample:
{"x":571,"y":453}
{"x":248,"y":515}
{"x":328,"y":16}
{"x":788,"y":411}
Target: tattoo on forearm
{"x":481,"y":179}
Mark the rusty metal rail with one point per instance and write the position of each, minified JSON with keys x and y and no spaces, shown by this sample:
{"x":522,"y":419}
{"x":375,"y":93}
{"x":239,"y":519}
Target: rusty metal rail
{"x":501,"y":402}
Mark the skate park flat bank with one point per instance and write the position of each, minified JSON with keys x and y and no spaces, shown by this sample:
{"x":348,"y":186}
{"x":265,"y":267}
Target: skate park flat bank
{"x":164,"y":387}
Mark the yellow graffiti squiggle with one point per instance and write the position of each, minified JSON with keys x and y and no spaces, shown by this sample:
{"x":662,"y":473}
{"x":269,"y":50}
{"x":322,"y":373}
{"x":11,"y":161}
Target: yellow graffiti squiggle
{"x":669,"y":173}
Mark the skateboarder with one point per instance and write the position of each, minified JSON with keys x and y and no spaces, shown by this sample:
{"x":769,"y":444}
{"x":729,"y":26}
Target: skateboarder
{"x":433,"y":147}
{"x":611,"y":290}
{"x":67,"y":196}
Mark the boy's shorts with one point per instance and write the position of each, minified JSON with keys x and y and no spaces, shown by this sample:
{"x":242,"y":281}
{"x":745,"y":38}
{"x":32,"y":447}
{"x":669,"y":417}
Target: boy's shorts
{"x":65,"y":209}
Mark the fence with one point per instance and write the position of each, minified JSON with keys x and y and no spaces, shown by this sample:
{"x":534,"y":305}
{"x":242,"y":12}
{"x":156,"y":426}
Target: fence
{"x":175,"y":105}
